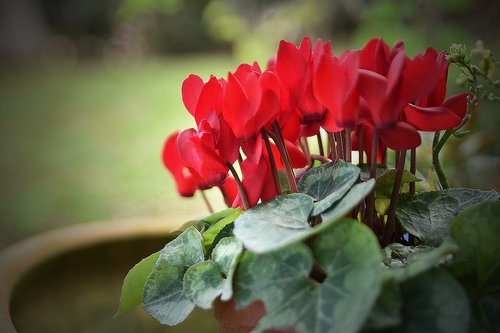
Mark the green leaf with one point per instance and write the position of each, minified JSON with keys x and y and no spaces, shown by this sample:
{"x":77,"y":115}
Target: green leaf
{"x":385,"y":183}
{"x":134,"y":282}
{"x":387,"y":310}
{"x":328,"y":183}
{"x":275,"y":223}
{"x":207,"y":280}
{"x":213,"y":231}
{"x":227,"y":231}
{"x":349,"y":255}
{"x":428,"y":215}
{"x":357,"y":193}
{"x":434,"y":302}
{"x":284,"y":220}
{"x":217,"y":216}
{"x":477,"y":263}
{"x":406,"y":262}
{"x":163,"y":295}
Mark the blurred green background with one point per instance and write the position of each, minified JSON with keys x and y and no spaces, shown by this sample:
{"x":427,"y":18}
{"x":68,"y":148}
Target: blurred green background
{"x":89,"y":89}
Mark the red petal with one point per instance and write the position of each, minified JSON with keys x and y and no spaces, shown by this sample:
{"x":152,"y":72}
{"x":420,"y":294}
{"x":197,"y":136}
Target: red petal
{"x":235,"y":104}
{"x":230,"y":188}
{"x":210,"y":100}
{"x":420,"y":76}
{"x":191,"y":89}
{"x":434,"y":118}
{"x":203,"y":161}
{"x":184,"y":180}
{"x":403,"y":136}
{"x":291,"y":66}
{"x":372,"y":87}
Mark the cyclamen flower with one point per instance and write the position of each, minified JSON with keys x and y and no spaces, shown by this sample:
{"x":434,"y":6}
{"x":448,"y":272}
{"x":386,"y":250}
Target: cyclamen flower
{"x":433,"y":112}
{"x":198,"y":153}
{"x":251,"y":102}
{"x":388,"y":81}
{"x":296,"y":68}
{"x":184,"y":179}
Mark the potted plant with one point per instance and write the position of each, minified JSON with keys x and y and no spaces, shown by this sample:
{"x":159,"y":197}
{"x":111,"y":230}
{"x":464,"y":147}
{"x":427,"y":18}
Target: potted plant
{"x":313,"y":241}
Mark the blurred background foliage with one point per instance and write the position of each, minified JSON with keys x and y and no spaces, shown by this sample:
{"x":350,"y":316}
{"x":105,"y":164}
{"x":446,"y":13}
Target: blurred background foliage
{"x":89,"y":89}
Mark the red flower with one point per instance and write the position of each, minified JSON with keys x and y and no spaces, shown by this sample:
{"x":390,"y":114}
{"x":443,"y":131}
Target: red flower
{"x":388,"y":81}
{"x":204,"y":101}
{"x":251,"y":101}
{"x":257,"y":181}
{"x":184,"y":180}
{"x":335,"y":87}
{"x":250,"y":104}
{"x":198,"y":153}
{"x":296,"y":68}
{"x":433,"y":112}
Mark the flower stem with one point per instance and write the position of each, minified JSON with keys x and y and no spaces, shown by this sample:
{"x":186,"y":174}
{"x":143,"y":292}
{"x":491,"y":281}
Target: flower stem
{"x":338,"y":139}
{"x":361,"y":144}
{"x":241,"y":189}
{"x":413,"y":168}
{"x":320,"y":144}
{"x":331,"y":144}
{"x":207,"y":203}
{"x":321,"y":158}
{"x":390,"y":225}
{"x":370,"y":200}
{"x":280,"y":143}
{"x":348,"y":144}
{"x":272,"y":163}
{"x":439,"y":142}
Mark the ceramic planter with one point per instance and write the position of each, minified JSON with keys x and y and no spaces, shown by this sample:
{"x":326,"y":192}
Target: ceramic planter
{"x":69,"y":279}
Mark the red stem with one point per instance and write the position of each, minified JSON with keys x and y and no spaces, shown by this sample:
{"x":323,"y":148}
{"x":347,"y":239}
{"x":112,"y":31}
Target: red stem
{"x":241,"y":189}
{"x":272,"y":163}
{"x":280,"y":143}
{"x":391,"y":214}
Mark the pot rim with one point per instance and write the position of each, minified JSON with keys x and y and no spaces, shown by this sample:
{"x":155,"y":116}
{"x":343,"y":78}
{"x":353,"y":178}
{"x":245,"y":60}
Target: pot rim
{"x":16,"y":260}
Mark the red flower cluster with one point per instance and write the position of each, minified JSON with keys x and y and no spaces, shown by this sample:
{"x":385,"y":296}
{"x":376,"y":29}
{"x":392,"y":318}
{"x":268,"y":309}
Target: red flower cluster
{"x":378,"y":93}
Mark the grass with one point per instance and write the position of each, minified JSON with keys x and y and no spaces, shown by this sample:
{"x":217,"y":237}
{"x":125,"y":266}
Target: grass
{"x":83,"y":143}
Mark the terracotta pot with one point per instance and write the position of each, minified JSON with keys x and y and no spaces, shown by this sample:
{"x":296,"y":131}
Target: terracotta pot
{"x":69,"y":279}
{"x":232,"y":320}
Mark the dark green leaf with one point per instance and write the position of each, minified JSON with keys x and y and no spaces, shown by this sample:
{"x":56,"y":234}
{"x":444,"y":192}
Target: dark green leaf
{"x":434,"y":302}
{"x":205,"y":281}
{"x":428,"y":215}
{"x":387,"y":310}
{"x":227,"y":231}
{"x":477,"y":263}
{"x":406,"y":262}
{"x":328,"y":183}
{"x":347,"y":252}
{"x":213,"y":231}
{"x":163,"y":295}
{"x":134,"y":282}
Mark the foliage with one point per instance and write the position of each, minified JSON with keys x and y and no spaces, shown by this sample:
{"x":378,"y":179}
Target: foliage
{"x":323,"y":256}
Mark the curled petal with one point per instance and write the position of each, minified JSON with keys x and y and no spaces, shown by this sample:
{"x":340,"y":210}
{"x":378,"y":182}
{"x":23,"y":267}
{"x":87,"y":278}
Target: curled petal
{"x":203,"y":161}
{"x":191,"y":89}
{"x":401,"y":137}
{"x":184,"y":180}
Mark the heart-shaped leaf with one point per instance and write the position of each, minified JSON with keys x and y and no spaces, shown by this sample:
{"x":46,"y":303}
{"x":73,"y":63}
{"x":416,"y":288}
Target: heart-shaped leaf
{"x":210,"y":235}
{"x":349,"y":255}
{"x":406,"y":262}
{"x":428,"y":215}
{"x":357,"y":193}
{"x":275,"y":223}
{"x":163,"y":295}
{"x":477,"y":263}
{"x":434,"y":302}
{"x":207,"y":280}
{"x":328,"y":183}
{"x":134,"y":282}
